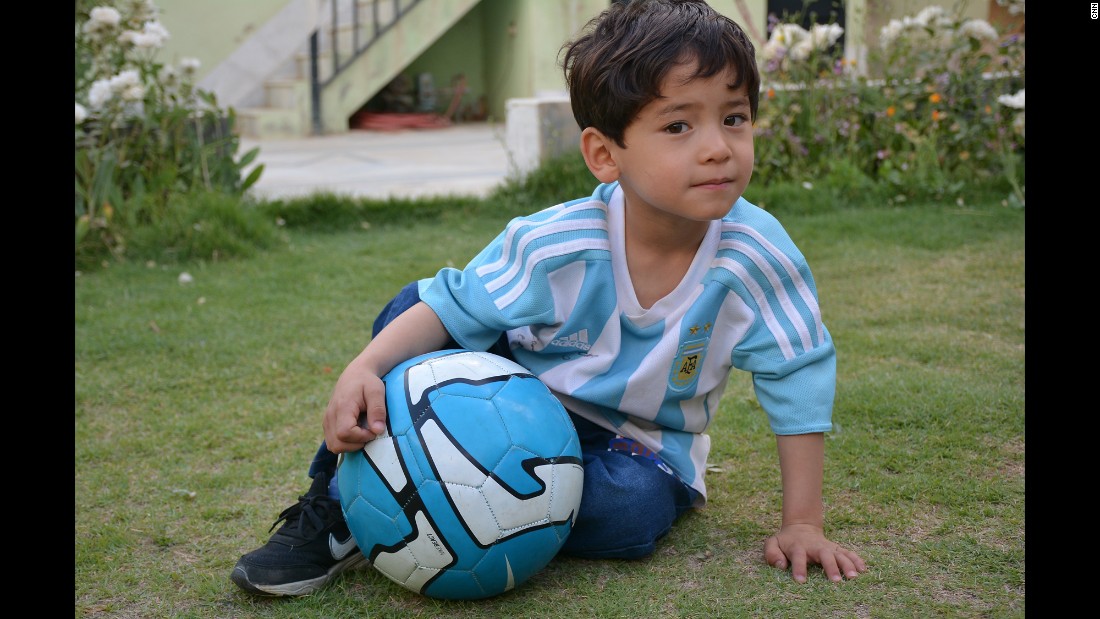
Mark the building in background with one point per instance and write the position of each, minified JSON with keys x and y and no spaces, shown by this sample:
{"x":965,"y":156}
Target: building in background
{"x":293,"y":68}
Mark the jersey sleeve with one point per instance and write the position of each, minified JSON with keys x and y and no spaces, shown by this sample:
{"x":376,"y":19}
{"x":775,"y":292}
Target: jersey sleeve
{"x":787,"y":349}
{"x":796,"y":394}
{"x":508,"y":284}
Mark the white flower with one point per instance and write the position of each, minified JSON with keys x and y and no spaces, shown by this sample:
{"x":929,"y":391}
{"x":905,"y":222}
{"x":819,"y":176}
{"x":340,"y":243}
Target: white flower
{"x":801,"y":50}
{"x":978,"y":29}
{"x":133,"y":93}
{"x":905,"y":28}
{"x":1015,"y":101}
{"x":102,"y":20}
{"x":189,"y":65}
{"x":773,"y":50}
{"x":891,"y":32}
{"x":125,"y":80}
{"x":156,"y":29}
{"x":824,"y":35}
{"x":933,"y":17}
{"x":142,"y":40}
{"x":152,"y":35}
{"x":104,"y":17}
{"x":81,"y":113}
{"x":100,"y":93}
{"x":185,"y":278}
{"x":788,"y":34}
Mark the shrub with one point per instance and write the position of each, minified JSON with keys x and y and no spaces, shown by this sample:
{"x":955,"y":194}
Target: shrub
{"x":939,"y":110}
{"x":203,"y":225}
{"x":144,"y":133}
{"x":325,"y":211}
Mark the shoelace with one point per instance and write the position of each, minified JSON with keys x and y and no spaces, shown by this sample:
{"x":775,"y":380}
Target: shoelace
{"x":314,"y":509}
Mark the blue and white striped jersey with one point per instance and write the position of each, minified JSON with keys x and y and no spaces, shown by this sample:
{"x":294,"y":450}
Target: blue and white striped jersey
{"x":557,"y":283}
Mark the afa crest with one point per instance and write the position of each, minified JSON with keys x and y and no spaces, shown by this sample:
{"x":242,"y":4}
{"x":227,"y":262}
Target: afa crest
{"x":687,"y":364}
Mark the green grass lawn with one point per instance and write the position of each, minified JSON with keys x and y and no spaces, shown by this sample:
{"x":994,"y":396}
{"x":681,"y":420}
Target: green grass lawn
{"x":198,"y":408}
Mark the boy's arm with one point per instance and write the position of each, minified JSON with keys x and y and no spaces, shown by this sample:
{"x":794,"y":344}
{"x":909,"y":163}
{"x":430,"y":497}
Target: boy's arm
{"x":360,"y":389}
{"x":801,"y":539}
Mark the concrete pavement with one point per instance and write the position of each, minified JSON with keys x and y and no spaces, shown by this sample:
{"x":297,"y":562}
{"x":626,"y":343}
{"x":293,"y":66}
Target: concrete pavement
{"x":463,"y":159}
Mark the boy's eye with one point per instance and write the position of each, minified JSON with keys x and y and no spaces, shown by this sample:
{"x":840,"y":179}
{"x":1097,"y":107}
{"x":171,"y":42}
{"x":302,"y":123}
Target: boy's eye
{"x":735,"y":120}
{"x":677,"y":127}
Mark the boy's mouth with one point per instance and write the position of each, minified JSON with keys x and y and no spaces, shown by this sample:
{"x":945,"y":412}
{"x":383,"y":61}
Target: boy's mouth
{"x":714,"y":181}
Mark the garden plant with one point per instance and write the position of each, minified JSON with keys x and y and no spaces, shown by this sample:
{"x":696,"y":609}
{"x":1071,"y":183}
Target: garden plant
{"x":156,"y":157}
{"x":939,"y":109}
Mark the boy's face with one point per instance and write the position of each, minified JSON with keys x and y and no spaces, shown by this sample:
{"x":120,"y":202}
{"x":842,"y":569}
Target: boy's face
{"x":689,"y":153}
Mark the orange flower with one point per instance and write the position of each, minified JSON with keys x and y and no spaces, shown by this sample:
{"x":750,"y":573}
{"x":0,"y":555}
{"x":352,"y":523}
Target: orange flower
{"x":934,"y":97}
{"x":988,"y":109}
{"x":771,"y":93}
{"x":890,"y":111}
{"x":936,"y":116}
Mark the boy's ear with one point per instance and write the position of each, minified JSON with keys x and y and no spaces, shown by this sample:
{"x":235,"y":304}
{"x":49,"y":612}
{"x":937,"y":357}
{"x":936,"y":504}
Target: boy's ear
{"x":596,"y":148}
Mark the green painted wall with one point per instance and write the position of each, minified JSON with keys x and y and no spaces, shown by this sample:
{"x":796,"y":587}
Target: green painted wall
{"x":211,"y":29}
{"x":506,"y":49}
{"x":461,"y":51}
{"x":524,"y":37}
{"x":509,"y":48}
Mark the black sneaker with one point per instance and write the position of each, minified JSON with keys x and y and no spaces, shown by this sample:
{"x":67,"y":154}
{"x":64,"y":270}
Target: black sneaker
{"x":312,"y":547}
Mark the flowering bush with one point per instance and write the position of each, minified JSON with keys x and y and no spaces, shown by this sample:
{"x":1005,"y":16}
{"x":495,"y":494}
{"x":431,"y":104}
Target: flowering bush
{"x":144,"y":132}
{"x":939,"y":111}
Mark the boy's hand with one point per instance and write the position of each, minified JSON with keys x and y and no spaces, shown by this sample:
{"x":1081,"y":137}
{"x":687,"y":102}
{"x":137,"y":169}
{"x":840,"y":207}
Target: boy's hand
{"x":356,"y":413}
{"x":799,"y":545}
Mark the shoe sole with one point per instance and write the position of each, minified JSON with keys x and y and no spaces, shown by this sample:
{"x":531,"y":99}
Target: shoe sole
{"x":302,"y":587}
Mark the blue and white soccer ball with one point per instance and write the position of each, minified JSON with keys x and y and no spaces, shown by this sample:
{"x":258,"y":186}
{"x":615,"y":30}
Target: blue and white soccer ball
{"x":476,"y":483}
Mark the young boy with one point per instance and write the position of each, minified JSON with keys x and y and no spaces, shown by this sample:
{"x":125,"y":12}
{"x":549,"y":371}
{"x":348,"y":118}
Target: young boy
{"x":633,"y":305}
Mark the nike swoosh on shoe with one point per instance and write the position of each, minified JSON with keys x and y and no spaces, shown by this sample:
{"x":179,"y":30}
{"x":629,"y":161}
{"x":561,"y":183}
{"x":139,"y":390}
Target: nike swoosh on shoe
{"x":340,"y":549}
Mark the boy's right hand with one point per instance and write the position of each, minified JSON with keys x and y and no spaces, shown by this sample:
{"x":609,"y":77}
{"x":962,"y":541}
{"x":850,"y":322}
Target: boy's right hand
{"x":356,"y":413}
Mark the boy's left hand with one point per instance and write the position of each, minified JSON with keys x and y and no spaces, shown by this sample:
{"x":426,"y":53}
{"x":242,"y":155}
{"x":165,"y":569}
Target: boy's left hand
{"x":799,"y":545}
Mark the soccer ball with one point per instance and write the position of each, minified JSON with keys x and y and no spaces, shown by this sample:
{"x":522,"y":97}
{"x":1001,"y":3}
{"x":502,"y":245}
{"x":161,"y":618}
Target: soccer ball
{"x":476,"y":483}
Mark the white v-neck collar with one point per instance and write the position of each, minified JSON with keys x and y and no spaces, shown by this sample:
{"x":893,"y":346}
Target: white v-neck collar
{"x":624,"y":286}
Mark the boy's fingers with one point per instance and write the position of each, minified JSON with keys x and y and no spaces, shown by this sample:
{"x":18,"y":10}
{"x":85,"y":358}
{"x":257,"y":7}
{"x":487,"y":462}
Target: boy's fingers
{"x":376,"y":408}
{"x":773,"y":555}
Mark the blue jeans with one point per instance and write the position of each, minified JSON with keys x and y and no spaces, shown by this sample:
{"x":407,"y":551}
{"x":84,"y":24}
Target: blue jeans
{"x":628,"y":501}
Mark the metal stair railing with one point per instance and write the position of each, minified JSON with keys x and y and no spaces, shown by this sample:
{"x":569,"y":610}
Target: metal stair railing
{"x":339,"y":64}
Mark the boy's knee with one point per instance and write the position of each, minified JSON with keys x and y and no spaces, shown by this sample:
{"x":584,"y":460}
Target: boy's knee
{"x":627,"y":505}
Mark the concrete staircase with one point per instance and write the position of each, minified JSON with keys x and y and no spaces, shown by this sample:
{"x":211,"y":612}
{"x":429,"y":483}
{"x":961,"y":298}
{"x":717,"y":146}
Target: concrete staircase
{"x":371,"y":43}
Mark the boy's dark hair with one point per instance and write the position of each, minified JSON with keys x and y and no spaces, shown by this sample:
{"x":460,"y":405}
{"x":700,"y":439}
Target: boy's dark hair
{"x":616,"y":67}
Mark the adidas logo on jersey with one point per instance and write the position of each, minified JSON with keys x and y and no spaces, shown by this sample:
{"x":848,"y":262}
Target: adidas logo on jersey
{"x":578,"y":340}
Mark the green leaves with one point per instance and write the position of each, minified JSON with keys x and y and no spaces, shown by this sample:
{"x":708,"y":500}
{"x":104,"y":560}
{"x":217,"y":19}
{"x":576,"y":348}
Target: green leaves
{"x":149,"y":135}
{"x":922,"y":114}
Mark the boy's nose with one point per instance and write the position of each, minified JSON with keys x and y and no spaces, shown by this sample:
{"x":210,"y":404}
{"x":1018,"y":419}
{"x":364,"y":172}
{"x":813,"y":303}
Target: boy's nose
{"x":714,"y":145}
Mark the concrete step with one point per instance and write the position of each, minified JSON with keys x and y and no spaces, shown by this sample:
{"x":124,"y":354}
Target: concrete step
{"x":288,"y":103}
{"x":270,"y":123}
